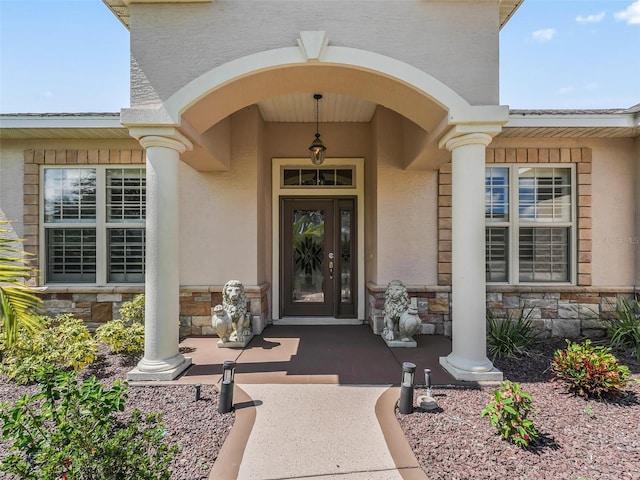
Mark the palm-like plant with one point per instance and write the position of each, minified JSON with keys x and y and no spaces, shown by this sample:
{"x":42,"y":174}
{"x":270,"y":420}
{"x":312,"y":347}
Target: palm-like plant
{"x":18,"y":301}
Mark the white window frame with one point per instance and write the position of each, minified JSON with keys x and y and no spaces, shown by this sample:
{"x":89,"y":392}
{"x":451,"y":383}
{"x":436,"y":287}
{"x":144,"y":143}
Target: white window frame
{"x":101,"y":225}
{"x":514,"y":223}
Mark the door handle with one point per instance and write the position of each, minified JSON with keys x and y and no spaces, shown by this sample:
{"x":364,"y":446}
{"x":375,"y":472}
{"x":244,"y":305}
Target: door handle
{"x":331,"y":270}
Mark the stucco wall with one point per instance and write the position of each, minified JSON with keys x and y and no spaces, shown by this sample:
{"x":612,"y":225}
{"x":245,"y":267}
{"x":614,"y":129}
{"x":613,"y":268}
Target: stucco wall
{"x":637,"y":207}
{"x":219,"y":213}
{"x":439,"y":37}
{"x":11,"y":191}
{"x":406,"y":214}
{"x":614,"y":239}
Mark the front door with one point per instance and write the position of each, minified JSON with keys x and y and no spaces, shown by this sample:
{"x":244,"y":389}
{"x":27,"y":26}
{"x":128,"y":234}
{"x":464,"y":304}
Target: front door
{"x":318,"y":255}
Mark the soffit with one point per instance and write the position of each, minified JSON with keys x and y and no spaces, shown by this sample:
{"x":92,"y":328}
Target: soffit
{"x":120,"y":9}
{"x":62,"y":126}
{"x":612,"y":123}
{"x":605,"y":123}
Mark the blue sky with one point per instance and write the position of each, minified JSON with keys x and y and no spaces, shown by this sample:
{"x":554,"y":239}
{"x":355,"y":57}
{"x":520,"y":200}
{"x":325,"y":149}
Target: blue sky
{"x":73,"y":56}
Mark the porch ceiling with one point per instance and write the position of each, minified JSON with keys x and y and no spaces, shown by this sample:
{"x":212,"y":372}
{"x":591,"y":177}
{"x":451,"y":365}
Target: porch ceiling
{"x":286,"y":95}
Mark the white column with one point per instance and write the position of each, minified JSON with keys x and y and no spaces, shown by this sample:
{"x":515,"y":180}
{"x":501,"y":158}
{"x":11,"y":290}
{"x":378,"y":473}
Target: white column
{"x":162,"y":360}
{"x":468,"y":359}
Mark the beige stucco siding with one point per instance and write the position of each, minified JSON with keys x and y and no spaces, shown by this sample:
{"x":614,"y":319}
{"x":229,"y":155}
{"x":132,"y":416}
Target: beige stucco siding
{"x":406,"y":211}
{"x":441,"y":38}
{"x":11,"y":190}
{"x":219,"y":213}
{"x":613,"y":213}
{"x":637,"y":207}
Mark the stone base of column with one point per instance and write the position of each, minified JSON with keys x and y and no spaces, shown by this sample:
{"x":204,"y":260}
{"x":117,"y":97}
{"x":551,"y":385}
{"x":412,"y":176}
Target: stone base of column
{"x":480,"y":376}
{"x":161,"y":370}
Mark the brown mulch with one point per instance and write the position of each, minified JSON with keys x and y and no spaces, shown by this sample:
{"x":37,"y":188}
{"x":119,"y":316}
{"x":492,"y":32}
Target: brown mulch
{"x":579,"y":439}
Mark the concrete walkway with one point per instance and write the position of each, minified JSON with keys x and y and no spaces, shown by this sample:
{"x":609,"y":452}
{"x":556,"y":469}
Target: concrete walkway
{"x":315,"y":403}
{"x":316,"y":431}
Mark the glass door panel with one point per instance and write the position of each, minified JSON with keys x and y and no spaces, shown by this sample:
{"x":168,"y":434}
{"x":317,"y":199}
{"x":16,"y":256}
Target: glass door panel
{"x":318,"y":272}
{"x":308,"y":256}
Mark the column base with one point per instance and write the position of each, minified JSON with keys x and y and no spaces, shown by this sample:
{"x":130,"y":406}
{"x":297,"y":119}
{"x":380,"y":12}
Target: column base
{"x":486,"y":376}
{"x":149,"y":371}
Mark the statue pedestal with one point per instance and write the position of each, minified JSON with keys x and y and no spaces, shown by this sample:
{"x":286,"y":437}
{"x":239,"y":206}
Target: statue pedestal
{"x":400,"y":343}
{"x":235,"y":344}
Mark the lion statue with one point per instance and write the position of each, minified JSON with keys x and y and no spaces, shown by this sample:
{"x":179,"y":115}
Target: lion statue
{"x":230,"y":319}
{"x":401,"y":321}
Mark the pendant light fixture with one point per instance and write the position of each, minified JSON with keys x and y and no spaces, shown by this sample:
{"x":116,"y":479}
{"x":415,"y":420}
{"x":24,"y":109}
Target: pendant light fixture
{"x":317,"y":148}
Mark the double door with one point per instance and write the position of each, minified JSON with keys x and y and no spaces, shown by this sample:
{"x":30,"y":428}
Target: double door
{"x":318,"y":257}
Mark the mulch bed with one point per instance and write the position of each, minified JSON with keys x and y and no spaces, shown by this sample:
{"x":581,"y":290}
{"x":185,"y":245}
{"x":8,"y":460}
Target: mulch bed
{"x":580,"y":439}
{"x":196,"y":427}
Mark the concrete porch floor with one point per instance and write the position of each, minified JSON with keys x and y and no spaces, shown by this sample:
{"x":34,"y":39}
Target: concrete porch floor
{"x":316,"y":354}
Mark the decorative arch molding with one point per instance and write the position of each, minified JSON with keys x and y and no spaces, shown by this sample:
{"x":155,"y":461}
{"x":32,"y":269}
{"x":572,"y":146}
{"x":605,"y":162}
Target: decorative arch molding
{"x":420,"y":97}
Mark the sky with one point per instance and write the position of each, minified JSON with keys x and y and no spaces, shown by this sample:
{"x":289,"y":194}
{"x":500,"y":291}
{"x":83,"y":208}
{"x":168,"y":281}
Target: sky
{"x":72,"y":56}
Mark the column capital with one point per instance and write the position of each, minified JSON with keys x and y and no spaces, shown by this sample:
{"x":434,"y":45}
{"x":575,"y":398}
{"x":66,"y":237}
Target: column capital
{"x":167,"y":137}
{"x":460,"y":135}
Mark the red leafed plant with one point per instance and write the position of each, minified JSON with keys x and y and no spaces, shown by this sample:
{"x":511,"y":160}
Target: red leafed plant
{"x":589,"y":371}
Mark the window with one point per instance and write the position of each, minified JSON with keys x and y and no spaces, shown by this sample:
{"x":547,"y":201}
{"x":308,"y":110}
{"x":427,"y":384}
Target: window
{"x":530,"y":224}
{"x":94,"y":225}
{"x":317,"y":177}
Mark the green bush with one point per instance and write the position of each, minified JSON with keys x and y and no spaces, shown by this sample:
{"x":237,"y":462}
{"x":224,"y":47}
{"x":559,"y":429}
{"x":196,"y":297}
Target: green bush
{"x":508,"y":338}
{"x":589,"y":371}
{"x":508,"y":411}
{"x":71,"y":431}
{"x":64,"y":342}
{"x":122,"y":338}
{"x":133,"y":310}
{"x":624,"y":328}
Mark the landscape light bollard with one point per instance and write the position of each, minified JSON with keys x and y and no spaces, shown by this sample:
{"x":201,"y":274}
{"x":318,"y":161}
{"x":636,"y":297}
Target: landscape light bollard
{"x":226,"y":389}
{"x":427,"y":381}
{"x":427,"y":402}
{"x":197,"y":387}
{"x":405,"y":405}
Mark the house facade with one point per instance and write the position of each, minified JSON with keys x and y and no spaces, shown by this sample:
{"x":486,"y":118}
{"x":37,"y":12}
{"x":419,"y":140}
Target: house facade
{"x":427,"y":179}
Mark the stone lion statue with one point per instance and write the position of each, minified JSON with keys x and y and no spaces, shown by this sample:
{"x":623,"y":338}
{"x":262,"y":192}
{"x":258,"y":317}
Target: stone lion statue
{"x":401,"y":321}
{"x":230,"y":320}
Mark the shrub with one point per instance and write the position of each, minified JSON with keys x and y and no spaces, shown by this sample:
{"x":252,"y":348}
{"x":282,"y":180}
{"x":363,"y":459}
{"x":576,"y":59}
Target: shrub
{"x":133,"y":310}
{"x":589,"y":371}
{"x":64,"y":342}
{"x":122,"y":338}
{"x":508,"y":411}
{"x":71,"y":431}
{"x":508,"y":338}
{"x":624,"y":328}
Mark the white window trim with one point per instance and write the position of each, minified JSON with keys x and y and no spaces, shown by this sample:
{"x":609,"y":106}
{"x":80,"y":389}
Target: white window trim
{"x":513,"y":225}
{"x":100,"y":225}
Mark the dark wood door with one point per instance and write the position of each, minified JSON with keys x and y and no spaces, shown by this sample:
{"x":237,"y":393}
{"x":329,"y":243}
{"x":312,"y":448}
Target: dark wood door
{"x":318,"y":271}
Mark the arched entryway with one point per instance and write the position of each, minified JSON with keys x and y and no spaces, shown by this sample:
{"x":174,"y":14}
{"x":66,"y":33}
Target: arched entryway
{"x":197,"y":124}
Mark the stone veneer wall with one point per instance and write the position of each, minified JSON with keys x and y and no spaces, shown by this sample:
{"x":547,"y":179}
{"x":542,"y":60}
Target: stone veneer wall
{"x":566,"y":312}
{"x":96,"y":306}
{"x":196,"y":308}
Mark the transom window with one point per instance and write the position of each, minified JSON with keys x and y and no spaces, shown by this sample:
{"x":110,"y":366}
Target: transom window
{"x":530,"y":221}
{"x":324,"y":177}
{"x":94,"y":224}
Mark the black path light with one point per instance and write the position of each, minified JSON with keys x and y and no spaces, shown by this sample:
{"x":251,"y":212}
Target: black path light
{"x":226,"y":389}
{"x":317,"y":148}
{"x":405,"y":405}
